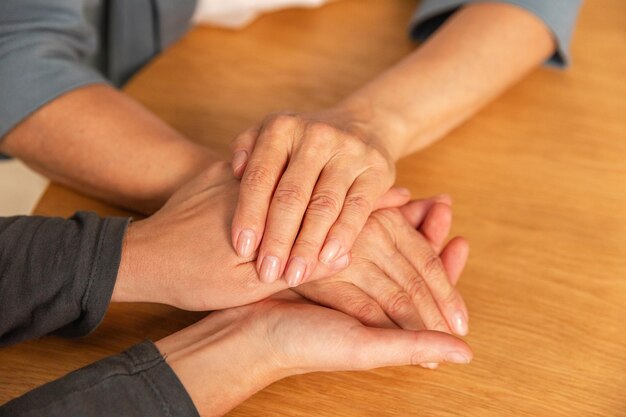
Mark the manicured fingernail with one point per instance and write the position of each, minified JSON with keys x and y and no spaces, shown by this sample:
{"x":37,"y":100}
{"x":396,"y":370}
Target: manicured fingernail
{"x":330,"y":251}
{"x":269,"y":269}
{"x":459,"y":321}
{"x":341,"y":263}
{"x":457,"y":357}
{"x":430,"y":365}
{"x":295,"y":271}
{"x":239,"y":158}
{"x":246,"y":242}
{"x":404,"y":191}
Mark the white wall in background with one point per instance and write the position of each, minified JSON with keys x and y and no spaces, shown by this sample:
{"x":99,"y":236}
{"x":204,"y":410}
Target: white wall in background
{"x":20,"y":188}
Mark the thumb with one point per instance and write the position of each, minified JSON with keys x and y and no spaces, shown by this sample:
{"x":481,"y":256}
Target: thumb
{"x":395,"y":197}
{"x":373,"y":348}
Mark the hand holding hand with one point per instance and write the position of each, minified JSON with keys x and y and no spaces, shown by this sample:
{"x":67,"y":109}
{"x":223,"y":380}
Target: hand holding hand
{"x":231,"y":354}
{"x":179,"y":257}
{"x":308,"y":185}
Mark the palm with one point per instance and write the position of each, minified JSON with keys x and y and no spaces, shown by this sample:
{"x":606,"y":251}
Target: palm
{"x":308,"y":337}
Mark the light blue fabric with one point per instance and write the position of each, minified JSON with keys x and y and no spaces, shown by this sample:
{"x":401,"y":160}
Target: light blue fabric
{"x":43,"y":47}
{"x":50,"y":47}
{"x":559,"y":15}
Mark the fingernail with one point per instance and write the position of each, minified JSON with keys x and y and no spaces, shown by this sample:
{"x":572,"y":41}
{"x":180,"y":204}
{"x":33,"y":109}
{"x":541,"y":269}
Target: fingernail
{"x":341,"y":263}
{"x":246,"y":242}
{"x":330,"y":251}
{"x":459,"y":321}
{"x":239,"y":158}
{"x":269,"y":269}
{"x":430,"y":365}
{"x":404,"y":191}
{"x":457,"y":357}
{"x":295,"y":271}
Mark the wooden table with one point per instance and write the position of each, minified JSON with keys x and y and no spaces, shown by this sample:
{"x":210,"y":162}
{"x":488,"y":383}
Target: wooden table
{"x":538,"y":179}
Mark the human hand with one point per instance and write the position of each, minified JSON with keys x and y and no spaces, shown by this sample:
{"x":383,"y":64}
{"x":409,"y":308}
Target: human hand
{"x":180,"y":255}
{"x":229,"y":355}
{"x":308,"y":184}
{"x":400,"y":276}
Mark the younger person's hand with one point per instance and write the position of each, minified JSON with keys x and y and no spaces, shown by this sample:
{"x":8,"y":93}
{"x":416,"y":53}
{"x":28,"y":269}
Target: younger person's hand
{"x":228,"y":356}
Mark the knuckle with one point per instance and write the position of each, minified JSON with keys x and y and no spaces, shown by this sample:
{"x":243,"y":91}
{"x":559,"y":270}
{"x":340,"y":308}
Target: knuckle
{"x":354,"y":146}
{"x":321,"y":131}
{"x":377,"y":158}
{"x":257,"y":177}
{"x":325,"y":202}
{"x":290,"y":195}
{"x":358,"y":202}
{"x":390,"y":218}
{"x":281,"y":121}
{"x":416,"y":288}
{"x":366,"y":312}
{"x":399,"y":304}
{"x":432,"y":265}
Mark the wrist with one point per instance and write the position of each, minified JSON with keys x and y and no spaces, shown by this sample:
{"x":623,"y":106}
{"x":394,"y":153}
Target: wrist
{"x":140,"y":277}
{"x":219,"y":361}
{"x":125,"y":289}
{"x":386,"y":129}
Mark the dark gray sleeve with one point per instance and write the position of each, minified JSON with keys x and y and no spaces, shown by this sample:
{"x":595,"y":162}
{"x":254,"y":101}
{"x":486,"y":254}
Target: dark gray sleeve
{"x":56,"y":275}
{"x":43,"y":47}
{"x":137,"y":382}
{"x":559,"y":15}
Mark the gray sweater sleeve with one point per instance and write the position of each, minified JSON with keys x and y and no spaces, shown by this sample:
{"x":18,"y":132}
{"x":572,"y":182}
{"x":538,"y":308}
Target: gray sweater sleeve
{"x":558,"y":15}
{"x":137,"y":382}
{"x":44,"y":45}
{"x":56,"y":275}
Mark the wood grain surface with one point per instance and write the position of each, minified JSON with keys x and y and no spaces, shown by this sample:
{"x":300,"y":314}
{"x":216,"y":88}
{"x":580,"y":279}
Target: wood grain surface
{"x":539,"y":186}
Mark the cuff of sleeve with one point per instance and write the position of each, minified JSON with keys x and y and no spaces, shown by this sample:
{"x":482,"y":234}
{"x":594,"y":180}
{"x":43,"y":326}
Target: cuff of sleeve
{"x":559,"y":15}
{"x":162,"y":380}
{"x":137,"y":382}
{"x":102,"y":277}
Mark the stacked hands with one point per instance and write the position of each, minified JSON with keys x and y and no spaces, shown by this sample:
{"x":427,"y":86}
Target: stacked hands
{"x":329,"y":269}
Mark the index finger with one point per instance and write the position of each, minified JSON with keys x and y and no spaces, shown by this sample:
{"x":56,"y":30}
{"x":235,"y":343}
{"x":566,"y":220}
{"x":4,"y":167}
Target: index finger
{"x":262,"y":173}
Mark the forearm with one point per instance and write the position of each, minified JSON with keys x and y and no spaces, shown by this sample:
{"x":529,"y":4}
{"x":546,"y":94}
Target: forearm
{"x":100,"y":142}
{"x":480,"y":52}
{"x":219,"y":362}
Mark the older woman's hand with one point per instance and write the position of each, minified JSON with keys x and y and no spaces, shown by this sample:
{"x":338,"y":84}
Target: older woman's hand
{"x":400,"y":276}
{"x":308,"y":185}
